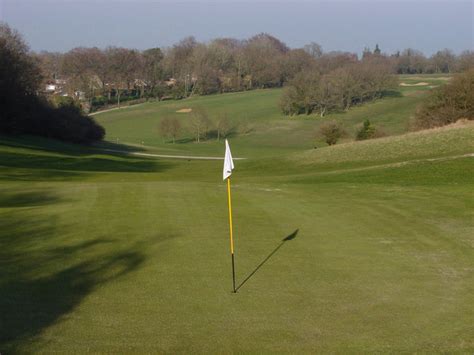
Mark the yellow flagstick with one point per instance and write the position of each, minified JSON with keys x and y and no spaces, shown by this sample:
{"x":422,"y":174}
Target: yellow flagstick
{"x":229,"y":200}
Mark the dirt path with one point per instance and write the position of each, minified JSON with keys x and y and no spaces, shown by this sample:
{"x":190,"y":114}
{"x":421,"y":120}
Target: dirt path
{"x":187,"y":157}
{"x":394,"y":165}
{"x":115,"y":108}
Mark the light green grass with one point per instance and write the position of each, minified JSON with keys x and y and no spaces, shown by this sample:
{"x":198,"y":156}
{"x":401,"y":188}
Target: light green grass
{"x":261,"y":129}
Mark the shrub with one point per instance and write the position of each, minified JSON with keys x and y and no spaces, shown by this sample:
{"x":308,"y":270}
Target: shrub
{"x":332,"y":132}
{"x":448,"y":103}
{"x":367,"y":131}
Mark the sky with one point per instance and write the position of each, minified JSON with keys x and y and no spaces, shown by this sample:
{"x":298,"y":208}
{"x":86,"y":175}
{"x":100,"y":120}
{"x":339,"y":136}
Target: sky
{"x":348,"y":25}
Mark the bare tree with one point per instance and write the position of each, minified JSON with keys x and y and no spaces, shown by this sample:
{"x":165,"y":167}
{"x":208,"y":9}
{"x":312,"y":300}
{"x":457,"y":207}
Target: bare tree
{"x":85,"y":69}
{"x":313,"y":49}
{"x":200,"y":123}
{"x":123,"y":68}
{"x":223,"y":126}
{"x":443,"y":61}
{"x":50,"y":64}
{"x":170,"y":128}
{"x":264,"y":56}
{"x":152,"y":68}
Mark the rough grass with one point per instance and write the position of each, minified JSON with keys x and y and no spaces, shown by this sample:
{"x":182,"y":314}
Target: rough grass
{"x":440,"y":142}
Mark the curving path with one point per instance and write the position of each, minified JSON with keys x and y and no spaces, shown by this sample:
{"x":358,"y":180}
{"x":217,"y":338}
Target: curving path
{"x":188,"y":157}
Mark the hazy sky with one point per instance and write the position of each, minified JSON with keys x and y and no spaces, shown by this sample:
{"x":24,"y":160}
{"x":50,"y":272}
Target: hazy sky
{"x":59,"y":25}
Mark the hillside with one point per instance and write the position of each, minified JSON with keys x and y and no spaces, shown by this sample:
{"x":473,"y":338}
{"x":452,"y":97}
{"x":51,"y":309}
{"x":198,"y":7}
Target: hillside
{"x":260,"y":128}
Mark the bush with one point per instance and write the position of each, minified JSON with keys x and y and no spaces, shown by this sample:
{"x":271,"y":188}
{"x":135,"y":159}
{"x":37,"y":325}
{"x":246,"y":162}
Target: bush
{"x":332,"y":132}
{"x":367,"y":131}
{"x":448,"y":103}
{"x":290,"y":104}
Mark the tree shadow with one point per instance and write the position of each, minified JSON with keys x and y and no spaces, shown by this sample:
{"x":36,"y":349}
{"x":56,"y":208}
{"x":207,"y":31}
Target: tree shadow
{"x":40,"y":158}
{"x":392,"y":93}
{"x":52,"y":145}
{"x":9,"y":199}
{"x":184,"y":140}
{"x":109,"y":163}
{"x":283,"y":241}
{"x":44,"y":276}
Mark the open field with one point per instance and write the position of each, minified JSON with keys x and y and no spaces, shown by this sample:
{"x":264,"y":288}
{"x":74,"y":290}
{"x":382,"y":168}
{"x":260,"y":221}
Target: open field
{"x":120,"y":253}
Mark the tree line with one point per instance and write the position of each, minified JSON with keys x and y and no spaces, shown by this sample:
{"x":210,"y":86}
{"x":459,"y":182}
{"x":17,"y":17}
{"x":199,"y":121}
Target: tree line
{"x":189,"y":67}
{"x":23,"y":110}
{"x":338,"y":89}
{"x":448,"y":103}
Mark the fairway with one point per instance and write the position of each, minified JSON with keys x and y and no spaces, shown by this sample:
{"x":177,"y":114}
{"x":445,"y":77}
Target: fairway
{"x":113,"y":253}
{"x":260,"y":129}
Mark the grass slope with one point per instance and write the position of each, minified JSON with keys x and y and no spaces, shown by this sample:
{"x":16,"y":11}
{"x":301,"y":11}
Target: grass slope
{"x":104,"y":253}
{"x":262,"y":130}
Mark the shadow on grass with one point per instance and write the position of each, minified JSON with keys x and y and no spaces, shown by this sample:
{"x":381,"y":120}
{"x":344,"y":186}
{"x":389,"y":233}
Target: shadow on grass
{"x":392,"y":93}
{"x":55,"y":146}
{"x":43,"y":275}
{"x":109,"y":163}
{"x":39,"y":158}
{"x":184,"y":140}
{"x":283,"y":241}
{"x":9,"y":199}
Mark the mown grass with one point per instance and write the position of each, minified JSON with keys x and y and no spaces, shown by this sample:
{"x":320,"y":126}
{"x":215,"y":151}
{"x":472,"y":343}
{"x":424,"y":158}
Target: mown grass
{"x":260,"y":128}
{"x":118,"y":253}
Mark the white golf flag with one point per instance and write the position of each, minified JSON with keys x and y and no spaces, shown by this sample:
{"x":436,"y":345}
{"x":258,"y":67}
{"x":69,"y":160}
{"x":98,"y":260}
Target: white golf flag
{"x":228,"y":163}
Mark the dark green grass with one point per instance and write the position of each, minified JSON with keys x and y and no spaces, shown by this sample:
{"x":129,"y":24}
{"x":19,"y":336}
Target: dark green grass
{"x":111,"y":253}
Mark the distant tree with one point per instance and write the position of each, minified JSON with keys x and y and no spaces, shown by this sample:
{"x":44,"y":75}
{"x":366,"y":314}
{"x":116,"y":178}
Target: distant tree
{"x":159,"y":91}
{"x":205,"y":68}
{"x":331,"y":131}
{"x":411,"y":61}
{"x":264,"y":56}
{"x":335,"y":59}
{"x":153,"y":71}
{"x":178,"y":64}
{"x":448,"y":103}
{"x":465,"y":61}
{"x":443,"y":61}
{"x":313,"y":49}
{"x":366,"y":53}
{"x":295,"y":61}
{"x":339,"y":89}
{"x":170,"y":128}
{"x":292,"y":101}
{"x":200,"y":123}
{"x":377,"y":50}
{"x":302,"y":95}
{"x":367,"y":131}
{"x":50,"y":64}
{"x":223,"y":126}
{"x":123,"y":68}
{"x":87,"y":70}
{"x":23,"y":111}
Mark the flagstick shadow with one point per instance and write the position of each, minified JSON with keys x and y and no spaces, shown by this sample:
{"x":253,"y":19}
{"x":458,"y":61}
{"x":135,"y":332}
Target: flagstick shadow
{"x":284,"y":240}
